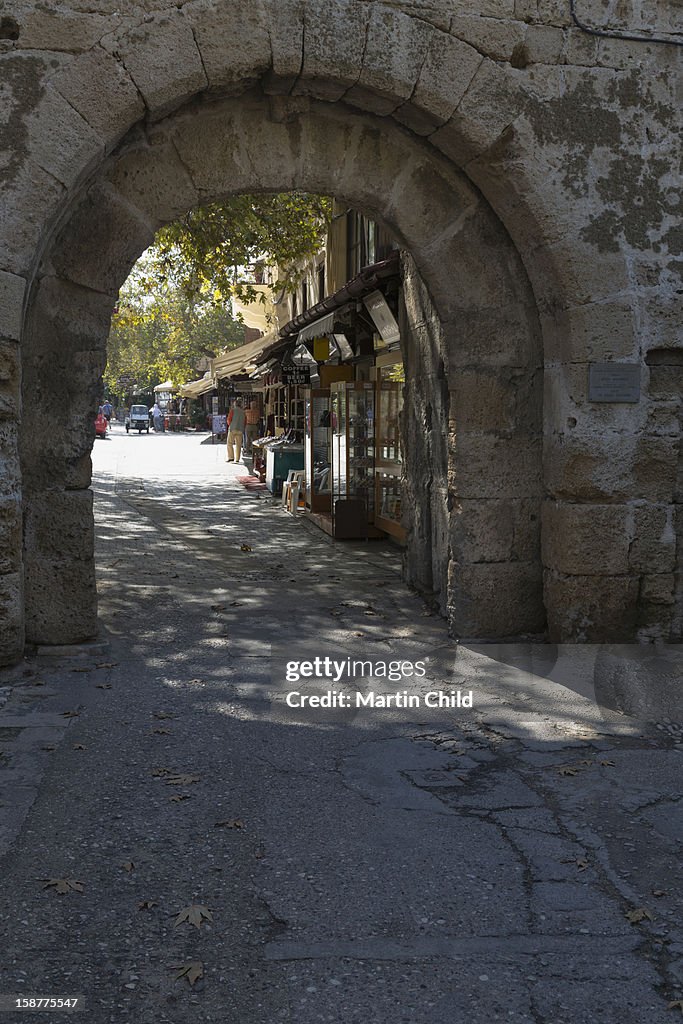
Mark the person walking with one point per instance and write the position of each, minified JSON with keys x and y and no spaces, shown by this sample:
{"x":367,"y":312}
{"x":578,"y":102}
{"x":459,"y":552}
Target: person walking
{"x":253,"y":420}
{"x":158,"y":417}
{"x":236,"y":422}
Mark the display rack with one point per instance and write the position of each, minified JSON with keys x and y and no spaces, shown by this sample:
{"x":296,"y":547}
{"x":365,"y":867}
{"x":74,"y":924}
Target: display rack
{"x":352,"y":419}
{"x":388,"y":462}
{"x":318,"y":452}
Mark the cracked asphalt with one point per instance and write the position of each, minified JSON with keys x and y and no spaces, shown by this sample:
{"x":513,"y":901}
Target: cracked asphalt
{"x":519,"y":861}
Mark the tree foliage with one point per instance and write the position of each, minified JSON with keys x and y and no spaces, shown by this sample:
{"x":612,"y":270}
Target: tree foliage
{"x":206,"y":253}
{"x":161,"y":334}
{"x":176,"y":305}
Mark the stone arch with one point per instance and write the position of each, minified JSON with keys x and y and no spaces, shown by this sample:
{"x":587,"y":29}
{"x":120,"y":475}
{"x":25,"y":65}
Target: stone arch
{"x":473,"y":405}
{"x":477,"y":112}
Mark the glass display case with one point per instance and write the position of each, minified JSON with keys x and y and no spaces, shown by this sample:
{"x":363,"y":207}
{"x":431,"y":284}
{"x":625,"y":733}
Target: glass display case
{"x":318,"y":451}
{"x":352,"y":416}
{"x":388,"y":463}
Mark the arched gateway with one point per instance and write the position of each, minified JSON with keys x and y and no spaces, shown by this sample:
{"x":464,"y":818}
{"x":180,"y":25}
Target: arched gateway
{"x":515,"y":281}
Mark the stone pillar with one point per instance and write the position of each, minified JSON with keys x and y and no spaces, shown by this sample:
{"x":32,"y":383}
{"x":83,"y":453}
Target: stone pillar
{"x":12,"y":290}
{"x":66,"y":353}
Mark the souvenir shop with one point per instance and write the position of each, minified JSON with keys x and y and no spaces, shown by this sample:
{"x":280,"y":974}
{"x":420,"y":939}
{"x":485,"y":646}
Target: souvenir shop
{"x":332,"y":404}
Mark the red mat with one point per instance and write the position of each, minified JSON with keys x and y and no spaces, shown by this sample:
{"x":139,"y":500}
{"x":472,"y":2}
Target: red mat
{"x":251,"y":483}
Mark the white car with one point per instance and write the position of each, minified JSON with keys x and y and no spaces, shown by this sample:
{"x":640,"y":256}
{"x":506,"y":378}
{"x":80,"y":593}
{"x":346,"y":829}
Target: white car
{"x":137,"y":419}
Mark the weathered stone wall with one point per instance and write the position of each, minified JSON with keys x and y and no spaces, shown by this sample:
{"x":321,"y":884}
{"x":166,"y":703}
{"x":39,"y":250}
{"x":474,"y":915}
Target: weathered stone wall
{"x":570,"y":139}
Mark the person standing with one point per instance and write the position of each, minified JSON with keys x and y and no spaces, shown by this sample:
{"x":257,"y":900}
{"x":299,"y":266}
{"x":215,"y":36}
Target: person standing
{"x":253,"y":419}
{"x":158,"y":417}
{"x":236,"y":422}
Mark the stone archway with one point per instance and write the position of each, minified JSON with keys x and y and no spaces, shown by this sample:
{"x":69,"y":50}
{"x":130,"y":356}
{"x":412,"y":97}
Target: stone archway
{"x":558,"y":144}
{"x":473,"y":402}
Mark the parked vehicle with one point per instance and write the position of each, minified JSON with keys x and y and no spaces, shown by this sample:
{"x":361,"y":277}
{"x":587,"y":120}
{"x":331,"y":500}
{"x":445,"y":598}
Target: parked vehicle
{"x":137,"y":419}
{"x":101,"y":425}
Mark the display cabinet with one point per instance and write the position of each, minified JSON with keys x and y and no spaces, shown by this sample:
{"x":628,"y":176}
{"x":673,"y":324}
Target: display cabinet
{"x":352,"y":419}
{"x":318,"y":451}
{"x":388,"y":461}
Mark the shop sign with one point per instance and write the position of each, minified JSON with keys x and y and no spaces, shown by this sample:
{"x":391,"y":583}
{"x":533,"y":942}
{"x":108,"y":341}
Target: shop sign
{"x":321,"y":349}
{"x":300,"y":375}
{"x":219,"y":424}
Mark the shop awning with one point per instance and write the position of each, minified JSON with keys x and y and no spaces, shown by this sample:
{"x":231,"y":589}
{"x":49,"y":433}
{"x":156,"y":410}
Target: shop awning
{"x":166,"y":386}
{"x":325,"y":325}
{"x":195,"y":388}
{"x":247,"y":357}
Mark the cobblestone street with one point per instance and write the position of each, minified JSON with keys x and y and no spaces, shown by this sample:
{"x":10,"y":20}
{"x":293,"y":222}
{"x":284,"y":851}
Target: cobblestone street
{"x":518,"y":861}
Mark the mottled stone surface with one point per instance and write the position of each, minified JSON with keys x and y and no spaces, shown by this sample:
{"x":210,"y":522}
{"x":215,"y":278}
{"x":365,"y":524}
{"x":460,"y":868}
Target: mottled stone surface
{"x":531,"y":169}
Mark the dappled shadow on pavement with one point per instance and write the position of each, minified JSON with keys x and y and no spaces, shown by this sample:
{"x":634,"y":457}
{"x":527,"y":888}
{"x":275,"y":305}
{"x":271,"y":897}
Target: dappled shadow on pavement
{"x":413,"y":864}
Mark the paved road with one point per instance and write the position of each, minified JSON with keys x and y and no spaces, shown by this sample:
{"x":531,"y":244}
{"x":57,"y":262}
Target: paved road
{"x":516,"y":861}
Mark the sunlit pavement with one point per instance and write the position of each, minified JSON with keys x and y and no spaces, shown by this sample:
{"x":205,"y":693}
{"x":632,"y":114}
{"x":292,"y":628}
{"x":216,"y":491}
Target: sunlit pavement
{"x":517,"y":861}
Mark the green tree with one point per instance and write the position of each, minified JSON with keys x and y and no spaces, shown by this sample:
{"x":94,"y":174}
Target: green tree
{"x":206,"y":252}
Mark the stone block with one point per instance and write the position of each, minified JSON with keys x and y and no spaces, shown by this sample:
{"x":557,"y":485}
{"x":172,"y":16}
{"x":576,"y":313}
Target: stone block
{"x":29,"y":202}
{"x":67,"y":318}
{"x":496,"y":601}
{"x":485,"y":466}
{"x":612,"y":467}
{"x":154,"y":179}
{"x":61,"y":601}
{"x":103,"y":93}
{"x":526,"y":529}
{"x":543,"y":44}
{"x":580,"y":49}
{"x":286,"y":29}
{"x":46,"y":28}
{"x":11,"y":618}
{"x":102,"y":241}
{"x":653,"y":547}
{"x":485,"y":399}
{"x":493,"y":37}
{"x":445,"y":76}
{"x":10,"y":472}
{"x":163,"y":60}
{"x":59,"y":525}
{"x":491,"y":103}
{"x":586,"y":540}
{"x":12,"y":291}
{"x":591,"y":609}
{"x":10,"y":380}
{"x":78,"y":473}
{"x":233,"y":40}
{"x":482,"y":532}
{"x":395,"y":52}
{"x":596,"y":332}
{"x":333,"y":47}
{"x":502,"y":336}
{"x":60,"y":140}
{"x":658,"y":589}
{"x":10,"y":535}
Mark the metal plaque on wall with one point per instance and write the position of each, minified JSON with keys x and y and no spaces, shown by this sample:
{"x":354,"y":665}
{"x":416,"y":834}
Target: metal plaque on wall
{"x":614,"y":382}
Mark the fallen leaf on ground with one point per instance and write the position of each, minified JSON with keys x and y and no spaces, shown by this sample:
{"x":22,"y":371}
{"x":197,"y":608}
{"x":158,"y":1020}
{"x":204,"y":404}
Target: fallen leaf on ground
{"x":159,"y":773}
{"x":63,"y":885}
{"x":586,"y":762}
{"x":49,"y":747}
{"x":161,"y":732}
{"x":196,"y":682}
{"x":103,"y":686}
{"x":79,"y":746}
{"x":580,"y":862}
{"x":107,"y":664}
{"x":246,"y":547}
{"x":230,"y":823}
{"x":236,"y":604}
{"x":677,"y":1004}
{"x":179,"y":797}
{"x":607,"y":764}
{"x":194,"y":914}
{"x":193,"y":971}
{"x":70,"y":714}
{"x":568,"y":771}
{"x":659,"y":892}
{"x":147,"y":904}
{"x":638,"y":914}
{"x":181,"y":780}
{"x":128,"y":865}
{"x":217,"y":607}
{"x":81,"y":669}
